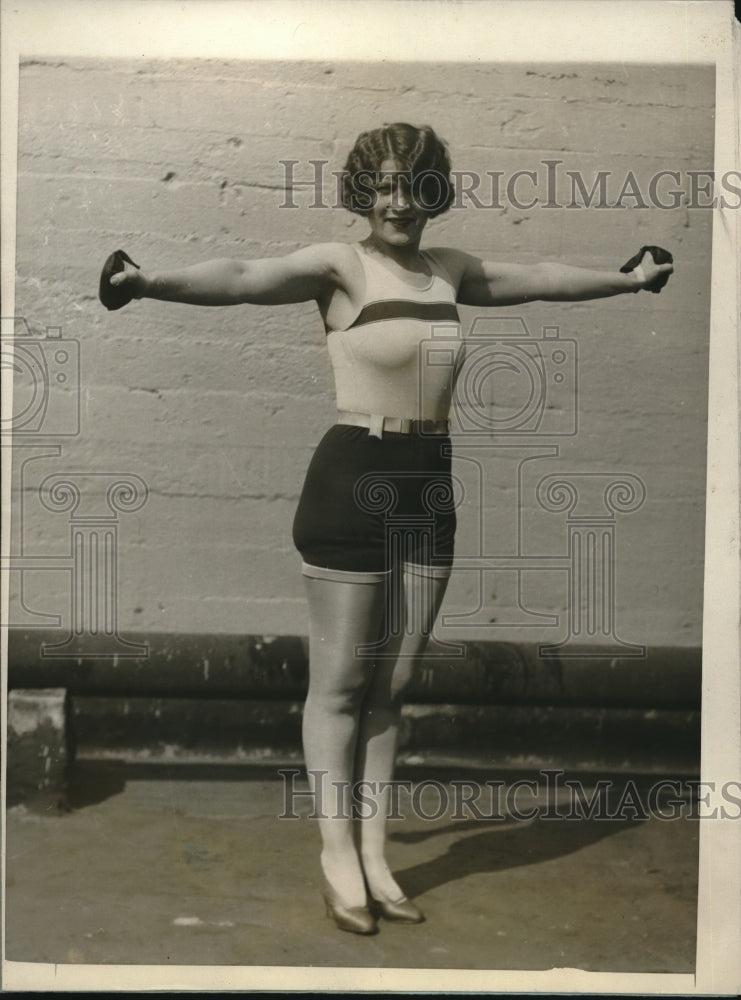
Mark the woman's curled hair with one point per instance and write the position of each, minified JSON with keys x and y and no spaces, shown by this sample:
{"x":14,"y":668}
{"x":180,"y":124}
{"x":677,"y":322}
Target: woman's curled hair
{"x":417,"y":152}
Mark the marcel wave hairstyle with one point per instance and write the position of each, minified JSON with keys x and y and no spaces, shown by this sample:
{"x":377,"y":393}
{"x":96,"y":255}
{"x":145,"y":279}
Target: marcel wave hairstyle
{"x":417,"y":151}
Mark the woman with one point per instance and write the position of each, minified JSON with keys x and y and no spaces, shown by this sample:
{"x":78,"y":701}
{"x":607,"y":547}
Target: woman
{"x":375,"y":523}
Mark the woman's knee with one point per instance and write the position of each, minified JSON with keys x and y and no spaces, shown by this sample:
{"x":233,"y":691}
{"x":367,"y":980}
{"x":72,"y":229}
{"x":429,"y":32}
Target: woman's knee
{"x":389,"y":685}
{"x":339,"y":698}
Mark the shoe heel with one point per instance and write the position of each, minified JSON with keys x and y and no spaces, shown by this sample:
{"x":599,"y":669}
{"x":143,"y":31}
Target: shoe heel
{"x":355,"y":919}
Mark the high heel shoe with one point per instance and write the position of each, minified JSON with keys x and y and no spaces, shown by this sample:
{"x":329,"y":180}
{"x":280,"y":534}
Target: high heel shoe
{"x":356,"y":919}
{"x":403,"y":911}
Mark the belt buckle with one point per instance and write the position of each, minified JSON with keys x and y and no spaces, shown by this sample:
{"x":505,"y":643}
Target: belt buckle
{"x":375,"y":427}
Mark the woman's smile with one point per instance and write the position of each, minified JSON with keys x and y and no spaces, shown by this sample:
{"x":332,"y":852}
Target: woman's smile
{"x":395,"y":219}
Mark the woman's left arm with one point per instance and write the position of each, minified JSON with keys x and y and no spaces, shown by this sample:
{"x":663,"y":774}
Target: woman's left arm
{"x":486,"y":283}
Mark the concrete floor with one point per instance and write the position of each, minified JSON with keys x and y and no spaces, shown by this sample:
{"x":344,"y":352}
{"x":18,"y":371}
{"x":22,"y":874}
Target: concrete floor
{"x":187,"y":864}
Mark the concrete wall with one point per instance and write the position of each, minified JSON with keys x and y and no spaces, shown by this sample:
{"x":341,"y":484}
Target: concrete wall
{"x":217,"y":410}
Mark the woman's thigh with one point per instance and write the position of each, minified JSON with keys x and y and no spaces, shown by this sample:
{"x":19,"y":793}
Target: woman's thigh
{"x":369,"y":504}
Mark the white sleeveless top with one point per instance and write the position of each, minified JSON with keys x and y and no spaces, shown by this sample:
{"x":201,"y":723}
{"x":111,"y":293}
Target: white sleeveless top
{"x":400,"y":356}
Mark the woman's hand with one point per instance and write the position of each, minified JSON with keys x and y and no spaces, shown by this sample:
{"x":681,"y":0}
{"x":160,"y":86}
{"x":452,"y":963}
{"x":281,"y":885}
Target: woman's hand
{"x":131,"y":280}
{"x":120,"y":281}
{"x":654,"y":276}
{"x":650,"y":268}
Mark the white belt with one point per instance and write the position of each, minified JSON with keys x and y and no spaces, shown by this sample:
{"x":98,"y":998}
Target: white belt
{"x":377,"y":424}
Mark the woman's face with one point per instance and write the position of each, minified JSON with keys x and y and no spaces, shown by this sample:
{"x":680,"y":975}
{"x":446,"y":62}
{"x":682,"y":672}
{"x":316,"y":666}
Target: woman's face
{"x":395,"y":220}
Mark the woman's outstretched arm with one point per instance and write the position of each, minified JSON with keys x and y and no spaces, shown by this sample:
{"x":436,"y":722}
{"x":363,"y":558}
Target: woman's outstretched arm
{"x":485,"y":283}
{"x":298,"y":277}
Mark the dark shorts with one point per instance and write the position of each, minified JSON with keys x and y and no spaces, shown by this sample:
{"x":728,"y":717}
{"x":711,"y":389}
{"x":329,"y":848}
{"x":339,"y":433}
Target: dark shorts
{"x":371,"y":503}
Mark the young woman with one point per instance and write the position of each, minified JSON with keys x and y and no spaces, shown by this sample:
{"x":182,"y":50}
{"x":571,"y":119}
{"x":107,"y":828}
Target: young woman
{"x":375,"y":523}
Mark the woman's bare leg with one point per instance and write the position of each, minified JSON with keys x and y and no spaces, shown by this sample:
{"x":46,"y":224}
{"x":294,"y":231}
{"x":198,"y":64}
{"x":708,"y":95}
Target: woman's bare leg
{"x":380,"y":716}
{"x":342,"y":617}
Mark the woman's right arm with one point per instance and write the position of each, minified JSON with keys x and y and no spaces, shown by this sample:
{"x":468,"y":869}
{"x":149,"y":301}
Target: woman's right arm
{"x":298,"y":277}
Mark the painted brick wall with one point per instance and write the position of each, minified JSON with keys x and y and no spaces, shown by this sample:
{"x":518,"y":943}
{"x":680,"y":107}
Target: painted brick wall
{"x":217,"y":410}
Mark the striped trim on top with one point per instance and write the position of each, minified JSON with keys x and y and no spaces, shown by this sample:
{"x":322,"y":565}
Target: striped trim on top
{"x":375,"y":312}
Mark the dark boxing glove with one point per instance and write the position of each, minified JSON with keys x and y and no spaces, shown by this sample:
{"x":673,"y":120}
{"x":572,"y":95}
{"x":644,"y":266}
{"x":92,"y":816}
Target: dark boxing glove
{"x":660,"y":256}
{"x":114,"y":296}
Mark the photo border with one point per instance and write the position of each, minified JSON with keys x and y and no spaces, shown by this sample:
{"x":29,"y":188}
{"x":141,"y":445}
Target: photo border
{"x":646,"y":31}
